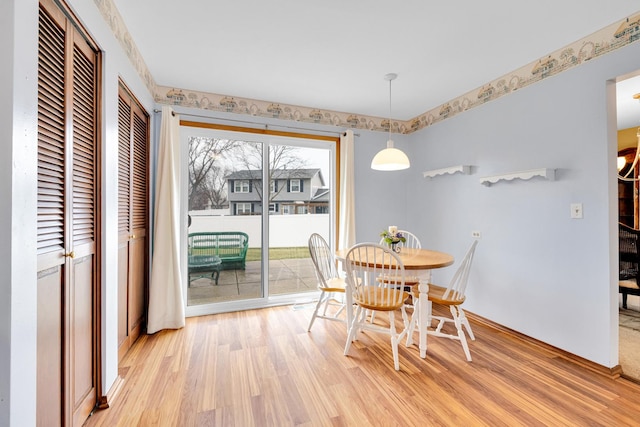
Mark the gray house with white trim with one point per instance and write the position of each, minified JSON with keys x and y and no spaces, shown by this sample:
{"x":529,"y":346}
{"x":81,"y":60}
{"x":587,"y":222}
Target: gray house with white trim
{"x":291,"y":191}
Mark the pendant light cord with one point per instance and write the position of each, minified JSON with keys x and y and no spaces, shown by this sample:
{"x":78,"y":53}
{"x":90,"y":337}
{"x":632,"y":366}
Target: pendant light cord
{"x":390,"y":77}
{"x":390,"y":80}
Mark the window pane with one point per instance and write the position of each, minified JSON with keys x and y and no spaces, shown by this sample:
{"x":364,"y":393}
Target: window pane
{"x":224,"y":252}
{"x":303,"y":210}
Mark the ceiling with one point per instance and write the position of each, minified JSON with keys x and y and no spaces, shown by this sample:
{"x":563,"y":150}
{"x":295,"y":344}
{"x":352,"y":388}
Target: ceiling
{"x":333,"y":54}
{"x":628,"y":108}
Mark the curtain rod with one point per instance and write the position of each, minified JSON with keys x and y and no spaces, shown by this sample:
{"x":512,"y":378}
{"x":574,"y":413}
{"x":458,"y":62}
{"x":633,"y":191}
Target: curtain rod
{"x":173,"y":113}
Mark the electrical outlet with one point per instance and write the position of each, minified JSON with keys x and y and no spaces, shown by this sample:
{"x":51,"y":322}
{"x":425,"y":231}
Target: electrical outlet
{"x":576,"y":210}
{"x":476,"y":234}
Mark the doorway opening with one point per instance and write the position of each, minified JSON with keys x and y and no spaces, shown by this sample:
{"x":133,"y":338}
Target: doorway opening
{"x":628,"y":138}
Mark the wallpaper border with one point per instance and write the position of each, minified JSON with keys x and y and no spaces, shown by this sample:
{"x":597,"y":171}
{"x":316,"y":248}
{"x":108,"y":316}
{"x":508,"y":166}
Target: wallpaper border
{"x":601,"y":42}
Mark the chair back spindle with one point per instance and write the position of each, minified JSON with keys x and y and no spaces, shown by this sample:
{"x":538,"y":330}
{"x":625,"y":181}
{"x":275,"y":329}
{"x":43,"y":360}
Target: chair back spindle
{"x":330,"y":284}
{"x":458,"y":285}
{"x":323,"y":259}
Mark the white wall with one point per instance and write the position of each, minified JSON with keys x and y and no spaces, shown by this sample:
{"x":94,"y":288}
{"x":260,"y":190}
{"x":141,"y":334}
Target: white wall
{"x":536,"y":270}
{"x":18,"y":133}
{"x":380,"y":197}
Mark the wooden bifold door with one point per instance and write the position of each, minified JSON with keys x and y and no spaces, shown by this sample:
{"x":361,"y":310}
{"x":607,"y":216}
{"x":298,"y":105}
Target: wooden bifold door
{"x":133,"y":140}
{"x":68,"y":221}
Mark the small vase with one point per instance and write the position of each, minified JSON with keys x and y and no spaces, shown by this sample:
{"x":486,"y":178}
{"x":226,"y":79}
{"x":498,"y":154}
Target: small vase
{"x":395,"y":247}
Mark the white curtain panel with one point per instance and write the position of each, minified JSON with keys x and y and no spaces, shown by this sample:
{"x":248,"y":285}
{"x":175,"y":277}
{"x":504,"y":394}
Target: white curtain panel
{"x":347,"y":236}
{"x":166,"y":303}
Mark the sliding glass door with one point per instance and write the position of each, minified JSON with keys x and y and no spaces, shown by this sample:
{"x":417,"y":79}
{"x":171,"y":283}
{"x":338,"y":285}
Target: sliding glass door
{"x":251,"y":202}
{"x":299,"y":205}
{"x":224,"y":220}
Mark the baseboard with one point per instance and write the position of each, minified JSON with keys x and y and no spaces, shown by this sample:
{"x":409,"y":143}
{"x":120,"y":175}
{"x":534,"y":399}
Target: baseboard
{"x":632,"y":379}
{"x":614,"y":372}
{"x":103,"y":402}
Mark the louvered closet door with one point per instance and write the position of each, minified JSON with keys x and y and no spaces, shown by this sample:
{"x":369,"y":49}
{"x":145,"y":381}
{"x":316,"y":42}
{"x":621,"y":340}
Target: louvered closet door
{"x":81,"y":311}
{"x":67,"y":222}
{"x":132,"y":220}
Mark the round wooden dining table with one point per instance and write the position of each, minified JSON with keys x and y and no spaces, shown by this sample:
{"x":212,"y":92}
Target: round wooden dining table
{"x":422,"y":261}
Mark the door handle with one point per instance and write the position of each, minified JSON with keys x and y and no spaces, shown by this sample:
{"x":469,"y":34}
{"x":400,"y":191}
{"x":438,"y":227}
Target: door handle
{"x":70,"y":254}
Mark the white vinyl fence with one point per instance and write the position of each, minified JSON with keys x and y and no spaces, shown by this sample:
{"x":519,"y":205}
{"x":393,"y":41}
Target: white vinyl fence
{"x":284,"y":230}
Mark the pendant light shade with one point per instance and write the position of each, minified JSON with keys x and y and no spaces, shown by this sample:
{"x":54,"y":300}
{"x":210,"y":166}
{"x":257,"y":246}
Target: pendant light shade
{"x":390,"y":158}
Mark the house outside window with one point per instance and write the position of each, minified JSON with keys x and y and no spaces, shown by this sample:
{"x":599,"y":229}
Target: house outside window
{"x":302,"y":187}
{"x":243,"y":208}
{"x":241,"y":186}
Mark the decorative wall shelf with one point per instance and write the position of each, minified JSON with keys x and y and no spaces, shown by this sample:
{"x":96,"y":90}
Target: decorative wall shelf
{"x":549,"y":174}
{"x":465,"y":169}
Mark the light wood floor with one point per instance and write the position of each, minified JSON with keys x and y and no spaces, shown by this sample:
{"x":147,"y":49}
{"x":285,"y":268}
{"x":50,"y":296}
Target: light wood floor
{"x":261,"y":368}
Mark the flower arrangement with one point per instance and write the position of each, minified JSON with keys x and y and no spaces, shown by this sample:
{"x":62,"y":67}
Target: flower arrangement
{"x":392,"y":236}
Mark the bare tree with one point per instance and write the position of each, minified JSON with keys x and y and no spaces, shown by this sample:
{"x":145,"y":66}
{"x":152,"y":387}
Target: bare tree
{"x":203,"y":156}
{"x":214,"y":187}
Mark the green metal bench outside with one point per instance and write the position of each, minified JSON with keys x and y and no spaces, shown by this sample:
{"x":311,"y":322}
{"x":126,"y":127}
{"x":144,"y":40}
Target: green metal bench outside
{"x":217,"y":250}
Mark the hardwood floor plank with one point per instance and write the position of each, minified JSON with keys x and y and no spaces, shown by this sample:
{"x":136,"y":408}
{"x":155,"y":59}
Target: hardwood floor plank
{"x":262,"y":368}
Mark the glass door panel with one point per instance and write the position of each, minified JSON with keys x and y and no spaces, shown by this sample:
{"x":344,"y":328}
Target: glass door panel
{"x":300,"y":197}
{"x":224,"y":243}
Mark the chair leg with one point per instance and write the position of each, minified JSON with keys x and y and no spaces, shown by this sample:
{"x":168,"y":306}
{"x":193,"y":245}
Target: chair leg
{"x":413,"y":322}
{"x":465,"y":323}
{"x":412,"y":327}
{"x":353,"y":329}
{"x":326,"y":303}
{"x":315,"y":312}
{"x":394,"y":341}
{"x":624,"y":300}
{"x":461,"y":336}
{"x":340,"y":310}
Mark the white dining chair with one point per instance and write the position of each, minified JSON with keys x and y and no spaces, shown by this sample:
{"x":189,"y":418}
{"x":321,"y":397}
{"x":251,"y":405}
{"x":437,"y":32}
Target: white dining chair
{"x":451,"y":296}
{"x":364,"y":263}
{"x":330,"y":284}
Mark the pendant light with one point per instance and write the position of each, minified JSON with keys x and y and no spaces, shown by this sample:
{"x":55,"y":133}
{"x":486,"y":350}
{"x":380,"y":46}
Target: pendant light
{"x":390,"y":158}
{"x":629,"y":176}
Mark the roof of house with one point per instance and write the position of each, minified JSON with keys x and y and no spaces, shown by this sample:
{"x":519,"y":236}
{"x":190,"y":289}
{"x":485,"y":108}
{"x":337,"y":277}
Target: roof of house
{"x":321,"y":194}
{"x":277,"y":174}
